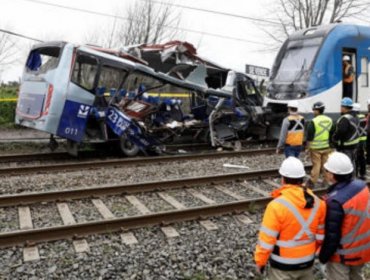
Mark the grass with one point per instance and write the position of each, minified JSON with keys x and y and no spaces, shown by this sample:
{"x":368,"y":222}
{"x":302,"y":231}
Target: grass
{"x":7,"y":108}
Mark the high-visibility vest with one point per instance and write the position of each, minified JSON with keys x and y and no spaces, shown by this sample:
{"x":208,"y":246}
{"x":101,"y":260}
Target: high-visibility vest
{"x":347,"y":79}
{"x":295,"y":130}
{"x":323,"y":125}
{"x":354,"y":246}
{"x":353,"y":139}
{"x":290,"y":234}
{"x":362,"y":128}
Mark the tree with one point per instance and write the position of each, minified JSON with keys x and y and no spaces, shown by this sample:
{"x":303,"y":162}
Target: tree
{"x":8,"y":50}
{"x":144,"y":21}
{"x":294,"y":15}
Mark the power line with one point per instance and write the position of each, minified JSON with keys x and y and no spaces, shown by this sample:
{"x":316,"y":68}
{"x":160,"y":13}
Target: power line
{"x":125,"y":18}
{"x":20,"y":35}
{"x":216,"y":12}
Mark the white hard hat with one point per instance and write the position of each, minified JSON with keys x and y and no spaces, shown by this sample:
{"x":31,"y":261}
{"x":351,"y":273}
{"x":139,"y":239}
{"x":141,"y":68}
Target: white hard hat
{"x":339,"y":163}
{"x":293,"y":104}
{"x":292,"y":167}
{"x":346,"y":58}
{"x":368,"y":102}
{"x":356,"y":107}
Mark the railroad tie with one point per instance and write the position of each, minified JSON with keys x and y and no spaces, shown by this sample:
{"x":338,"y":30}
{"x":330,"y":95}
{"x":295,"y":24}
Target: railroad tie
{"x":65,"y":213}
{"x":168,"y":231}
{"x":230,"y":193}
{"x":30,"y":253}
{"x":272,"y":183}
{"x":207,"y":224}
{"x":255,"y":189}
{"x":128,"y":237}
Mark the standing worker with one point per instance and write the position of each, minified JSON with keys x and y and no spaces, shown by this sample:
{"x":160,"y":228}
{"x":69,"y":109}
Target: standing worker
{"x":362,"y":136}
{"x":292,"y":131}
{"x":348,"y":76}
{"x":346,"y":246}
{"x":346,"y":133}
{"x":292,"y":228}
{"x":319,"y":133}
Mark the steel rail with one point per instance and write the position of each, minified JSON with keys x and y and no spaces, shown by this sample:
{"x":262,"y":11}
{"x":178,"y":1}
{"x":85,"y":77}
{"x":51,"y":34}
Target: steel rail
{"x":127,"y":161}
{"x":98,"y":191}
{"x":30,"y":237}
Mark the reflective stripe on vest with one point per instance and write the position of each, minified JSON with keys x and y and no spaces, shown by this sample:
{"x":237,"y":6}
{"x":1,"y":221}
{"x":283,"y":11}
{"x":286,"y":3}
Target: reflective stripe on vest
{"x":295,"y":133}
{"x":354,"y":138}
{"x":286,"y":260}
{"x":362,"y":127}
{"x":322,"y":125}
{"x":350,"y":238}
{"x":295,"y":241}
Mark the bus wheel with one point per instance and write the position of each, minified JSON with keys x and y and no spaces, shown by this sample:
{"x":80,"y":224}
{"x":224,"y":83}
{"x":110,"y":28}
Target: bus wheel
{"x":127,"y":147}
{"x":72,"y":148}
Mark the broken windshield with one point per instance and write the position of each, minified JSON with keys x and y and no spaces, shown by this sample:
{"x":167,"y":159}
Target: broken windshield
{"x":297,"y":59}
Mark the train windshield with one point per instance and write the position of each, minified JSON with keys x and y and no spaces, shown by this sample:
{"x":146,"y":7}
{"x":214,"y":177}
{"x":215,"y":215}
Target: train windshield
{"x":297,"y":59}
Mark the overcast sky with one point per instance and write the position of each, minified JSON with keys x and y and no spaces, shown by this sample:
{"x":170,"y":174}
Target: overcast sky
{"x":53,"y":23}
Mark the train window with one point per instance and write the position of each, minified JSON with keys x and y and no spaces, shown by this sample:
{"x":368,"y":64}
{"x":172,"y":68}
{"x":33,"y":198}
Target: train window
{"x":84,"y":71}
{"x":43,"y":59}
{"x":364,"y":72}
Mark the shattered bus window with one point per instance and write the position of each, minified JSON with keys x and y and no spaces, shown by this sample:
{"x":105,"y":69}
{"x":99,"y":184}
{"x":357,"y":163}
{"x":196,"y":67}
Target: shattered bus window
{"x":84,"y":71}
{"x":43,"y":59}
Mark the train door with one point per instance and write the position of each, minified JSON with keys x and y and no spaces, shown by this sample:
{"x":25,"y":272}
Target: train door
{"x":349,"y":67}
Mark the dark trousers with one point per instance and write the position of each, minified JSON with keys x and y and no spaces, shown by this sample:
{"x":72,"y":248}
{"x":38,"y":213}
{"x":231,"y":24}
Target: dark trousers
{"x":360,"y":160}
{"x":352,"y":154}
{"x":347,"y":90}
{"x":292,"y":151}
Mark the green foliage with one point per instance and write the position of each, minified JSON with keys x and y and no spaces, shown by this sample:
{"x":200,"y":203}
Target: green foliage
{"x":7,"y":108}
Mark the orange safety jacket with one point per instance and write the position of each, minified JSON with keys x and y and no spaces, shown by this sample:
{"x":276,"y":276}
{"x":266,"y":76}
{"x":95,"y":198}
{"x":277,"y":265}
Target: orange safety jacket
{"x":354,"y":248}
{"x":347,"y":78}
{"x":295,"y":130}
{"x":290,"y":234}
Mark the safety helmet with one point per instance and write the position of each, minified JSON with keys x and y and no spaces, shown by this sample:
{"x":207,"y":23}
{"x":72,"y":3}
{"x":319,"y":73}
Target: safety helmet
{"x":293,"y":104}
{"x":368,"y":102}
{"x":346,"y":58}
{"x":356,"y":107}
{"x":318,"y":106}
{"x":339,"y":163}
{"x":292,"y":167}
{"x":346,"y":102}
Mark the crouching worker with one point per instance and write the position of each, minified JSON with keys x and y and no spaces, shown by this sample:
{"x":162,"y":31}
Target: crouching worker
{"x":346,"y":247}
{"x":292,"y":228}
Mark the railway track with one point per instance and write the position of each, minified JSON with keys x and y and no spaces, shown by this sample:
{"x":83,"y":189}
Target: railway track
{"x":110,"y":223}
{"x":93,"y":164}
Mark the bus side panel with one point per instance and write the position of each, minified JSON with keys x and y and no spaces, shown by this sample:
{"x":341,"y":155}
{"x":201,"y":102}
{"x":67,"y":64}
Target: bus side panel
{"x":73,"y":120}
{"x":75,"y":113}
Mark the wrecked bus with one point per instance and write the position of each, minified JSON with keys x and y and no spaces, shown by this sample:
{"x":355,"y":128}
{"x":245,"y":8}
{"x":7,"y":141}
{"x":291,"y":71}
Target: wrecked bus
{"x":84,"y":95}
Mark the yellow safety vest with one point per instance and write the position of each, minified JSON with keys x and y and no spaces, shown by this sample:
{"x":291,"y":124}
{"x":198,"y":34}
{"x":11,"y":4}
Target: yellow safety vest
{"x":323,"y":125}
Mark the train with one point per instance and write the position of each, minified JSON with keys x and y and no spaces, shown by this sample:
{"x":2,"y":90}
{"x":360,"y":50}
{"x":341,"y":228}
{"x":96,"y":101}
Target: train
{"x":85,"y":94}
{"x":308,"y":68}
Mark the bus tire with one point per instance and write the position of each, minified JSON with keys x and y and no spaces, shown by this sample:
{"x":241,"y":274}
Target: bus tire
{"x":127,"y":147}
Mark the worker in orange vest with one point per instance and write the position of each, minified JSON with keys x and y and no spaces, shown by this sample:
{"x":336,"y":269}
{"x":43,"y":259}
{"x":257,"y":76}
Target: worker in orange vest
{"x":292,"y":228}
{"x":346,"y":247}
{"x":292,"y":132}
{"x":348,"y":76}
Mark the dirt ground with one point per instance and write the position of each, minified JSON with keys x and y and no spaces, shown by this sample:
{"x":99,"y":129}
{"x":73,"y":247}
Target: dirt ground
{"x":21,"y":133}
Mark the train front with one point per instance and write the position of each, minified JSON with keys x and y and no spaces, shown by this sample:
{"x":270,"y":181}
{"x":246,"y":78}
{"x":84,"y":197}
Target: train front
{"x":291,"y":78}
